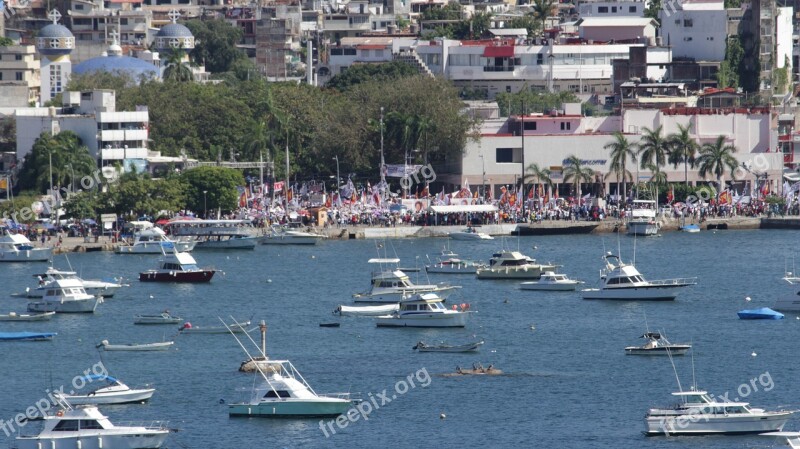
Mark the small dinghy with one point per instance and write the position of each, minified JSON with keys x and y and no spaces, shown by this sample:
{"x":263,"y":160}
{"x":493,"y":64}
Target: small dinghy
{"x":238,"y":328}
{"x":27,"y":336}
{"x":764,"y":313}
{"x":657,"y":344}
{"x":13,"y":316}
{"x":163,"y":318}
{"x":366,"y":310}
{"x":158,"y":346}
{"x":469,"y":347}
{"x":477,"y":370}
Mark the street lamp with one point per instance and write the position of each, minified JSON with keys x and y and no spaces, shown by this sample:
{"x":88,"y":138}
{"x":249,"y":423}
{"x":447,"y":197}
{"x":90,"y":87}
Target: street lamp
{"x":383,"y":163}
{"x":205,"y":204}
{"x":483,"y":178}
{"x":73,"y":177}
{"x":336,"y":158}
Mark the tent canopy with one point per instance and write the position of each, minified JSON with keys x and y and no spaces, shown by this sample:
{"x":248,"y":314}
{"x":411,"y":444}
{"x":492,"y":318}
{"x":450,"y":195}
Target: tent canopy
{"x":471,"y":208}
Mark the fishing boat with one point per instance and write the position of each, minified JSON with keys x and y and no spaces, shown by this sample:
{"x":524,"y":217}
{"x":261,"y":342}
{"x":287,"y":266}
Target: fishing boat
{"x":109,"y":390}
{"x":92,"y":287}
{"x":390,"y":286}
{"x":642,"y":219}
{"x":239,"y":328}
{"x":763,"y":313}
{"x":163,"y":318}
{"x":698,"y":413}
{"x":158,"y":346}
{"x":449,"y":263}
{"x":14,"y":316}
{"x":175,"y":266}
{"x":657,"y":344}
{"x":86,"y":428}
{"x":149,"y":241}
{"x":425,"y":310}
{"x":17,"y":248}
{"x":65,"y":296}
{"x":470,"y":233}
{"x":285,"y":236}
{"x":284,"y":393}
{"x":621,"y":281}
{"x":27,"y":336}
{"x":379,"y":310}
{"x":513,"y":265}
{"x":790,"y":302}
{"x":468,"y":347}
{"x":550,"y":281}
{"x":215,"y":234}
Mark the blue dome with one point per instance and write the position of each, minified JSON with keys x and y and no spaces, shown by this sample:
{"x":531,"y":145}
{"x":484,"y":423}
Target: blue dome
{"x":54,"y":30}
{"x":131,"y":66}
{"x":174,"y":30}
{"x":55,"y":40}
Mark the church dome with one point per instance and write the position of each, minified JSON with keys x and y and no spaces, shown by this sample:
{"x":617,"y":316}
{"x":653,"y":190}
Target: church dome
{"x":55,"y":39}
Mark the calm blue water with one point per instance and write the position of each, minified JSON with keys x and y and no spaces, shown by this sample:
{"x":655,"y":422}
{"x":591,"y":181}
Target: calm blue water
{"x":569,"y":383}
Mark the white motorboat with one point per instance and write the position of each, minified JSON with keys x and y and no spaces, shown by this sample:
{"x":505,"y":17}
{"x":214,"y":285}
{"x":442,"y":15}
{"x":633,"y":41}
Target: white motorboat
{"x":698,"y":413}
{"x":468,"y":347}
{"x":449,"y":263}
{"x":657,"y":344}
{"x":391,"y":286}
{"x":92,"y":287}
{"x":215,"y":234}
{"x":642,"y":219}
{"x":238,"y":328}
{"x":86,"y":428}
{"x":149,"y":241}
{"x":513,"y":265}
{"x":14,"y":316}
{"x":789,"y":302}
{"x":177,"y":267}
{"x":157,"y":346}
{"x":65,"y":296}
{"x":550,"y":281}
{"x":383,"y":309}
{"x":17,"y":248}
{"x":425,"y":310}
{"x":792,"y":439}
{"x":163,"y":318}
{"x":109,"y":391}
{"x":286,"y":236}
{"x":470,"y":234}
{"x":621,"y":281}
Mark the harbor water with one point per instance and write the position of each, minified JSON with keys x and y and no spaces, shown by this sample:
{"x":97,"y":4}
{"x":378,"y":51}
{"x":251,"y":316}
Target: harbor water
{"x":567,"y":382}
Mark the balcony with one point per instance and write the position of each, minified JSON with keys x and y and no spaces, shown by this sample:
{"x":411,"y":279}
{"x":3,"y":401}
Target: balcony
{"x":111,"y":154}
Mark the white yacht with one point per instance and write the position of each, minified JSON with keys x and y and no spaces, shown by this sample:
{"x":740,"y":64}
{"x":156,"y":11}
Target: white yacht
{"x":698,"y":413}
{"x":286,"y":236}
{"x":215,"y":234}
{"x":17,"y":248}
{"x":425,"y":310}
{"x":513,"y":265}
{"x":92,"y":287}
{"x":86,"y":428}
{"x":657,"y":344}
{"x":65,"y":296}
{"x":642,"y":220}
{"x":621,"y":281}
{"x":391,"y":286}
{"x":149,"y":241}
{"x":550,"y":281}
{"x":790,"y":301}
{"x":108,"y":391}
{"x":450,"y":263}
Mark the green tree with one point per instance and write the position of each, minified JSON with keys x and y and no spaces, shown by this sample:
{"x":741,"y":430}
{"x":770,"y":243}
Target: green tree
{"x":542,"y":9}
{"x":653,"y":150}
{"x":715,"y":158}
{"x":219,"y":183}
{"x":19,"y":208}
{"x":215,"y":46}
{"x":653,"y":10}
{"x":65,"y":154}
{"x":621,"y":150}
{"x":539,"y":175}
{"x":178,"y":69}
{"x":528,"y":21}
{"x":512,"y":103}
{"x":8,"y":134}
{"x":730,"y":68}
{"x":683,"y":148}
{"x":360,"y":73}
{"x":6,"y":41}
{"x":577,"y":173}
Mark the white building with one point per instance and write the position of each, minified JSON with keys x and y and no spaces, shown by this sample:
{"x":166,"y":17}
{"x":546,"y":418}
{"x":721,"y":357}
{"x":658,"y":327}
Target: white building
{"x":20,"y":77}
{"x":784,"y":30}
{"x":695,"y":29}
{"x":55,"y":43}
{"x":617,"y":29}
{"x":611,"y":8}
{"x":111,"y":136}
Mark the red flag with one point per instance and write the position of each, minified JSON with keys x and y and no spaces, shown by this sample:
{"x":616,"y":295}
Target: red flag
{"x":724,"y":197}
{"x":671,"y":195}
{"x":765,"y":189}
{"x":530,"y":193}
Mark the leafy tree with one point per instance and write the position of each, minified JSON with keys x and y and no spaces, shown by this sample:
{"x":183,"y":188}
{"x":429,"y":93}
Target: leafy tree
{"x":542,"y":9}
{"x":653,"y":150}
{"x":653,"y":10}
{"x":717,"y":157}
{"x":730,"y":69}
{"x":577,"y":173}
{"x":683,"y":148}
{"x":621,"y":150}
{"x":512,"y":103}
{"x":84,"y":204}
{"x":65,"y":154}
{"x":219,"y":183}
{"x":528,"y":21}
{"x":6,"y":41}
{"x":360,"y":73}
{"x":475,"y":27}
{"x":216,"y":44}
{"x":19,"y":208}
{"x":178,"y":70}
{"x":539,"y":175}
{"x":8,"y":134}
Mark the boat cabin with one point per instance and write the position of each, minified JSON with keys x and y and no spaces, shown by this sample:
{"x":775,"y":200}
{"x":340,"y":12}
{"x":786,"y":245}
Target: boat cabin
{"x":509,"y":259}
{"x":15,"y":242}
{"x":65,"y":288}
{"x":702,"y":399}
{"x":391,"y":279}
{"x":179,"y":262}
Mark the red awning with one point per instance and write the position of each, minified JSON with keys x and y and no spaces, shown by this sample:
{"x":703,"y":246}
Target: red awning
{"x":505,"y":51}
{"x":371,"y":47}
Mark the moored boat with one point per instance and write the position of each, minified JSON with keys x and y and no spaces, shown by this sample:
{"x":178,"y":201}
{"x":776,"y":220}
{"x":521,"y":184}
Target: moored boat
{"x":379,"y":310}
{"x":163,"y":318}
{"x":467,"y":347}
{"x":149,"y":241}
{"x":391,"y":286}
{"x":470,"y":233}
{"x":550,"y":281}
{"x":621,"y":281}
{"x":285,"y":236}
{"x":425,"y":310}
{"x":92,"y":287}
{"x":188,"y":328}
{"x":657,"y":344}
{"x":27,"y":336}
{"x":513,"y":265}
{"x":14,"y":316}
{"x":642,"y":219}
{"x":17,"y":248}
{"x":65,"y":296}
{"x":215,"y":234}
{"x":157,"y":346}
{"x":177,"y":267}
{"x":109,"y":391}
{"x":763,"y":313}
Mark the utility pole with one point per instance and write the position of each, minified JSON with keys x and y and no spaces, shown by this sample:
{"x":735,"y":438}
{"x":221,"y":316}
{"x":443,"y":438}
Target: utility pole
{"x":383,"y":162}
{"x":522,"y":125}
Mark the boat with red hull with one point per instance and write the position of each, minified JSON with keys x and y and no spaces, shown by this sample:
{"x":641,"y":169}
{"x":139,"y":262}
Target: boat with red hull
{"x":177,"y":267}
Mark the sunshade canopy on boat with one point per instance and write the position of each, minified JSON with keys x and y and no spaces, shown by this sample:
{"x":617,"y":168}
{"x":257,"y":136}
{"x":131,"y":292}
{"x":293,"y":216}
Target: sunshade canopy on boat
{"x":471,"y":208}
{"x":94,"y":377}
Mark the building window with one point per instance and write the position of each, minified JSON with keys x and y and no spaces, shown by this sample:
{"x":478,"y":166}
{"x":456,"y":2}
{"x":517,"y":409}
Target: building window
{"x":530,"y":126}
{"x":631,"y":9}
{"x":602,"y":9}
{"x":711,"y":38}
{"x":18,"y":57}
{"x":677,"y":21}
{"x":123,"y":21}
{"x":565,"y":126}
{"x":365,"y":53}
{"x":19,"y":76}
{"x":613,"y":9}
{"x":507,"y":155}
{"x":508,"y":89}
{"x":687,"y":23}
{"x":1,"y":76}
{"x":79,"y":7}
{"x":539,"y":59}
{"x":687,"y":38}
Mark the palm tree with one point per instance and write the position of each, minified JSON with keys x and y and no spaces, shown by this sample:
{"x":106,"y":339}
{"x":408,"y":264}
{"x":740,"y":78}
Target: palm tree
{"x":621,"y":151}
{"x":542,"y":9}
{"x":177,"y":69}
{"x":575,"y":171}
{"x":715,"y":158}
{"x":538,"y":174}
{"x":658,"y":178}
{"x":653,"y":149}
{"x":683,"y":148}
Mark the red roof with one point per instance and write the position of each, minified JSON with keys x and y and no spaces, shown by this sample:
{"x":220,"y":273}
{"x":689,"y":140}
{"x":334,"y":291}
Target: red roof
{"x":504,"y":51}
{"x":372,"y":47}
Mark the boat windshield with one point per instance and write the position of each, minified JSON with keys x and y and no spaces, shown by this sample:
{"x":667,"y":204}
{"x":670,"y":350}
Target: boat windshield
{"x":278,"y":394}
{"x":189,"y":267}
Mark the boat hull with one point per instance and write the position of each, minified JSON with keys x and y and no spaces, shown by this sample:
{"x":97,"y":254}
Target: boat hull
{"x":699,"y":424}
{"x":154,"y":248}
{"x":26,"y":336}
{"x":150,"y":439}
{"x":105,"y":292}
{"x":44,"y":316}
{"x":156,"y":320}
{"x":127,"y":397}
{"x":140,"y":348}
{"x":75,"y":306}
{"x":472,"y":347}
{"x":530,"y":272}
{"x":290,"y":240}
{"x":642,"y":228}
{"x":632,"y":294}
{"x":177,"y":276}
{"x":27,"y":255}
{"x":366,"y":310}
{"x":659,"y":350}
{"x":556,"y":287}
{"x":424,"y":320}
{"x":452,"y":268}
{"x":234,"y":243}
{"x":291,"y":409}
{"x":397,"y":295}
{"x":470,"y":236}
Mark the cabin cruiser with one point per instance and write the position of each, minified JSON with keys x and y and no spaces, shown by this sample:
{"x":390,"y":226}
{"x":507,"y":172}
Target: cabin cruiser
{"x":85,"y":427}
{"x":286,"y":236}
{"x":513,"y":265}
{"x":621,"y":281}
{"x":642,"y":219}
{"x":109,"y":391}
{"x":393,"y":285}
{"x":425,"y":310}
{"x":789,"y":302}
{"x":177,"y":267}
{"x":657,"y":344}
{"x":92,"y":287}
{"x":163,"y":318}
{"x":17,"y":248}
{"x":450,"y":263}
{"x":65,"y":296}
{"x":470,"y":234}
{"x":698,"y":413}
{"x":215,"y":234}
{"x":550,"y":281}
{"x":149,"y":241}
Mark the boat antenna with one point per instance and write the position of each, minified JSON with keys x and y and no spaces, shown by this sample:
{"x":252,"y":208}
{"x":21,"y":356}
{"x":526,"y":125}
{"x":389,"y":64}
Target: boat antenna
{"x":69,"y":264}
{"x":634,"y":249}
{"x":674,"y":370}
{"x":694,"y":380}
{"x":258,"y":367}
{"x":646,"y":327}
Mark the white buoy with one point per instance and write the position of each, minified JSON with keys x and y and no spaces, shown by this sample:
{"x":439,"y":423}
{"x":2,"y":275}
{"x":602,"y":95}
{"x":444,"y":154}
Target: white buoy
{"x":533,"y":328}
{"x":754,"y":354}
{"x":269,"y":281}
{"x":442,"y":416}
{"x":747,"y":298}
{"x":151,"y":296}
{"x":313,"y":257}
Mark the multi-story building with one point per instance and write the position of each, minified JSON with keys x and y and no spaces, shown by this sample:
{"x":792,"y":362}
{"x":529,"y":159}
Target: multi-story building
{"x":92,"y":22}
{"x":695,"y":29}
{"x":611,"y":8}
{"x":20,"y":76}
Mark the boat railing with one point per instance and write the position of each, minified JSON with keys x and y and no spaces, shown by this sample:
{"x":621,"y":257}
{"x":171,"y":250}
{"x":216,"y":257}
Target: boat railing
{"x":676,"y":281}
{"x":149,"y":425}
